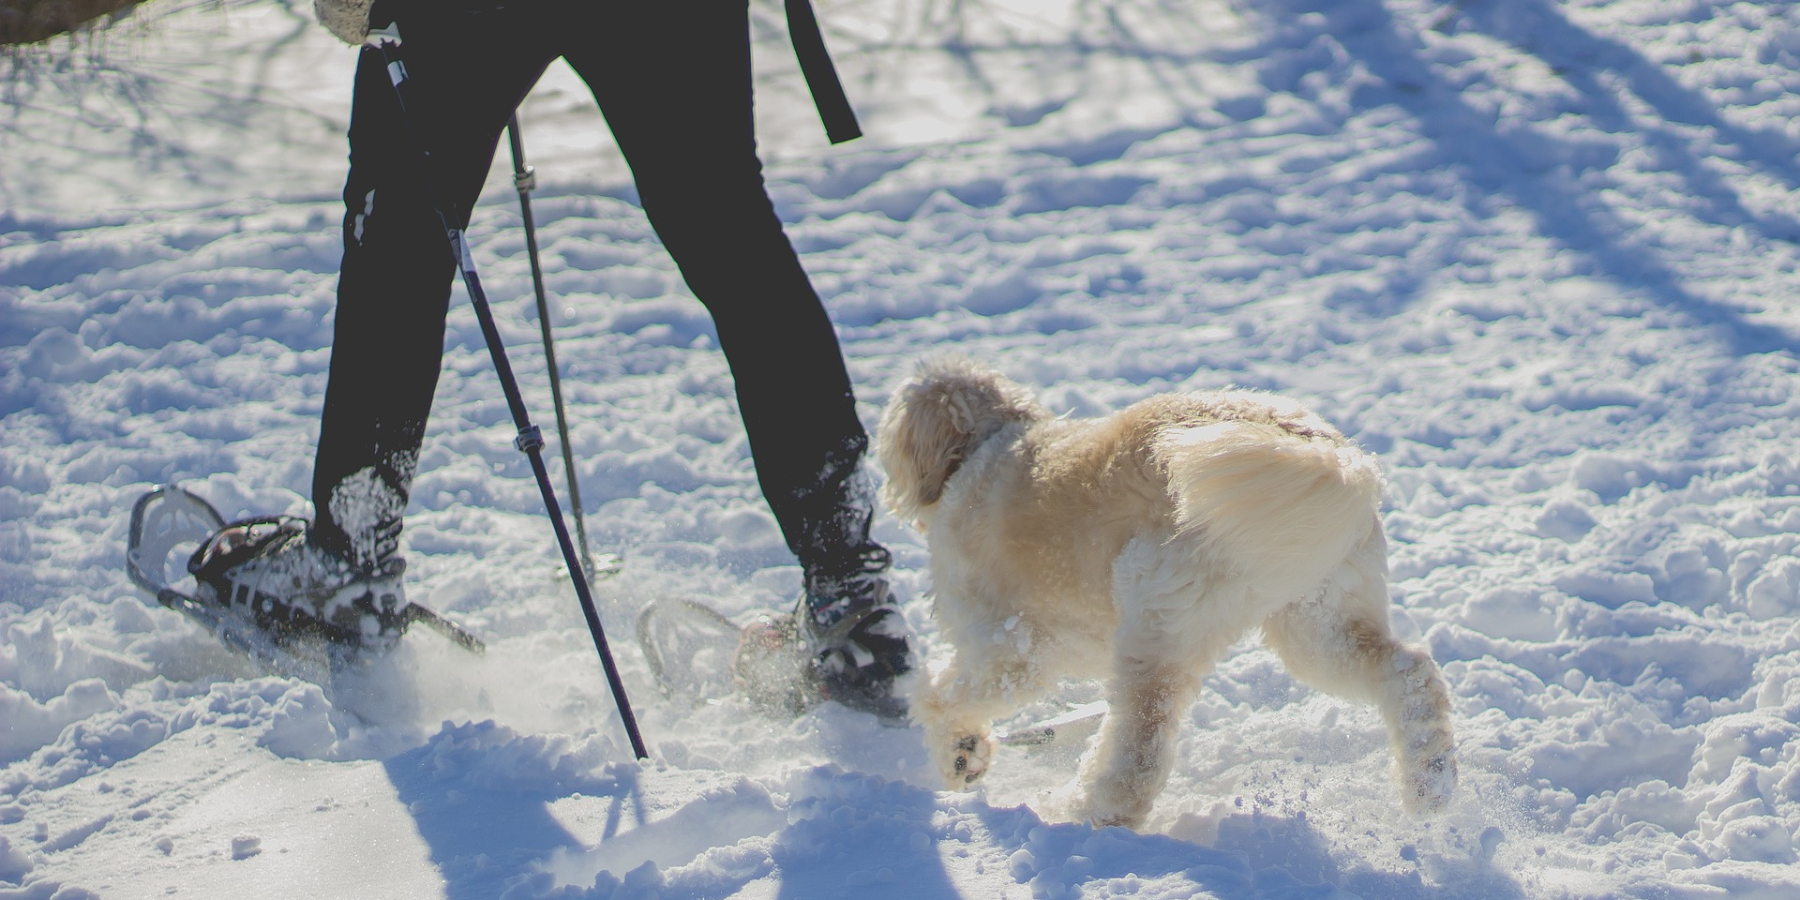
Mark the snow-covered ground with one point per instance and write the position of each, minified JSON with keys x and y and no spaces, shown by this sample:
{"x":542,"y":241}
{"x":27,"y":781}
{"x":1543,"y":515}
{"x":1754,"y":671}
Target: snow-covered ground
{"x":1539,"y":255}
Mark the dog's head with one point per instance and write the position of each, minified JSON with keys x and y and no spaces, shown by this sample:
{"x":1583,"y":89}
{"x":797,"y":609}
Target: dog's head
{"x":935,"y":420}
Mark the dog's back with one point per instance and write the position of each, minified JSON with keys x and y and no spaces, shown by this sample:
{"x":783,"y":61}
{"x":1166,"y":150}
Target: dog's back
{"x":1265,"y":489}
{"x":1255,"y":481}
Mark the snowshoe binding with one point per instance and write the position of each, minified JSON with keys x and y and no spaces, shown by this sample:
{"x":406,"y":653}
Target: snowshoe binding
{"x":771,"y":667}
{"x":856,"y":656}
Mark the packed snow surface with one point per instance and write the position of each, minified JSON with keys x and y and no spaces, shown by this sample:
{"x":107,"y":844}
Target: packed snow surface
{"x":1540,"y":256}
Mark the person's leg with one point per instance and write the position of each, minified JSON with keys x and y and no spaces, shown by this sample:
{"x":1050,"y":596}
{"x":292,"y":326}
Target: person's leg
{"x":673,"y":79}
{"x":468,"y":67}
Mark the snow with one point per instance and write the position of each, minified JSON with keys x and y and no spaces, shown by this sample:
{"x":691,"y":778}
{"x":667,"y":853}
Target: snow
{"x":1539,"y":256}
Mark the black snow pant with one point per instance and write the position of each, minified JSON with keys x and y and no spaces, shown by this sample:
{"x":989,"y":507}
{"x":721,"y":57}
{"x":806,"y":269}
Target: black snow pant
{"x":672,"y":78}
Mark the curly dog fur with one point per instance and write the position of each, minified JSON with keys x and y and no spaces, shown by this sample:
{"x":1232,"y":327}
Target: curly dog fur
{"x":1138,"y":548}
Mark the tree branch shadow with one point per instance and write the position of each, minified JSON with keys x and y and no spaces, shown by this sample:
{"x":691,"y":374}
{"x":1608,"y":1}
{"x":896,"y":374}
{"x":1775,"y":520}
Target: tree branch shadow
{"x":1495,"y":159}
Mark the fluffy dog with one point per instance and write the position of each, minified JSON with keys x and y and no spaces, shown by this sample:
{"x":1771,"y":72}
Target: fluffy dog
{"x":1139,"y":548}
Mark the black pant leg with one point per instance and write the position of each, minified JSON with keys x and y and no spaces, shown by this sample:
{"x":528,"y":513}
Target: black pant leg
{"x":464,"y":81}
{"x":673,"y":80}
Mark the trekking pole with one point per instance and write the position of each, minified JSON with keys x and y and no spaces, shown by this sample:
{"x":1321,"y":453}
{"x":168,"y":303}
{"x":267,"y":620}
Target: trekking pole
{"x":530,"y":440}
{"x":525,"y":181}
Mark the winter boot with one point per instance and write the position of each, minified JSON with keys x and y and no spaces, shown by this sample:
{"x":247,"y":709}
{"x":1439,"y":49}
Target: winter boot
{"x":858,"y":648}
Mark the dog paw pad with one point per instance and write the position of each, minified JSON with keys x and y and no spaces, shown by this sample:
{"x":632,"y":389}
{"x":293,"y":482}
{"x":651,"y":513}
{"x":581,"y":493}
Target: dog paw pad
{"x":971,"y":759}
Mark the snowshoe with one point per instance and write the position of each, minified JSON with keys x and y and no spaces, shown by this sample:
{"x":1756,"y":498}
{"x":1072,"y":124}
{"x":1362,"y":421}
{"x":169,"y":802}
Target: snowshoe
{"x":1074,"y":724}
{"x":697,"y":653}
{"x":775,"y":661}
{"x":248,"y":591}
{"x":688,"y":647}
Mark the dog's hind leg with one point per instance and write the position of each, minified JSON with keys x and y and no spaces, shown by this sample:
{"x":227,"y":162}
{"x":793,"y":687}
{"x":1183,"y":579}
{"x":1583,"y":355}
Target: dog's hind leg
{"x":1338,"y":641}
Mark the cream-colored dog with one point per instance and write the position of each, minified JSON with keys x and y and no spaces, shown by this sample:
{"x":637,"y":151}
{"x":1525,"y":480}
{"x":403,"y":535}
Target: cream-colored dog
{"x":1139,"y":548}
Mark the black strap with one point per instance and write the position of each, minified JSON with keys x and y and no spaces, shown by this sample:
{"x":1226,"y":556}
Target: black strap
{"x":821,"y":75}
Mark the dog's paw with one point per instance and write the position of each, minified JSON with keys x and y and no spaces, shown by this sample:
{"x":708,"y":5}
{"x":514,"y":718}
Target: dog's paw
{"x":969,"y":760}
{"x":1429,"y":784}
{"x":1425,"y":743}
{"x":1428,"y":767}
{"x":1107,"y":805}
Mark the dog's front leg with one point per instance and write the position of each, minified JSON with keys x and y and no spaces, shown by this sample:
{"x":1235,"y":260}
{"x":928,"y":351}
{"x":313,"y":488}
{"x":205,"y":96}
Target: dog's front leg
{"x":959,"y":704}
{"x":1174,"y":626}
{"x":1131,"y":762}
{"x":958,"y":730}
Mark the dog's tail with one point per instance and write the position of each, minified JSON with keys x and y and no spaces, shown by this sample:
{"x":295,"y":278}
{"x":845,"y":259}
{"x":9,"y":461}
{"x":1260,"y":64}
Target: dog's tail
{"x":1261,"y":501}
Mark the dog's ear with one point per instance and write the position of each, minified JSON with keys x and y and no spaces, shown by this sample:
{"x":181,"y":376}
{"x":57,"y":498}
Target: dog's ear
{"x":934,"y":421}
{"x":921,"y":440}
